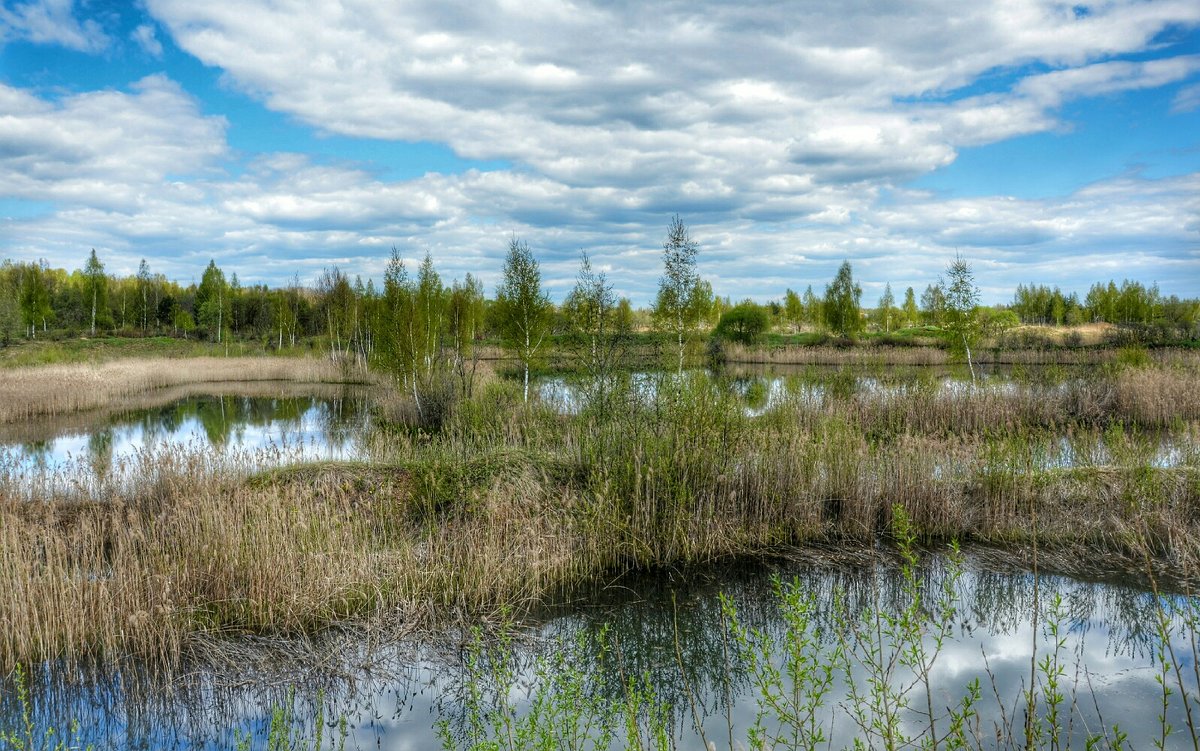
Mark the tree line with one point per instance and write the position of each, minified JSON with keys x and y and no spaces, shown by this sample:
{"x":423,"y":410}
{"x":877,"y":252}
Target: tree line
{"x":414,"y":315}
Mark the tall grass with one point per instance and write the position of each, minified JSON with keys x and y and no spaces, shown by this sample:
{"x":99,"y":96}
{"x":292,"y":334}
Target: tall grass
{"x":512,"y":505}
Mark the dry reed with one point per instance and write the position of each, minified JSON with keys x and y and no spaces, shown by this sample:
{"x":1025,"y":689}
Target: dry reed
{"x":59,"y":389}
{"x":513,"y":504}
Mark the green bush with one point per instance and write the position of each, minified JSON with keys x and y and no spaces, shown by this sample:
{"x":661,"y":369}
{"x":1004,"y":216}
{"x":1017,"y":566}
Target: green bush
{"x":744,"y":323}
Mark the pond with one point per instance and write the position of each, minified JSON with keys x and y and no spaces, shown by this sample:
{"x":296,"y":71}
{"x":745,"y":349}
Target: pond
{"x":252,"y":424}
{"x":668,"y":631}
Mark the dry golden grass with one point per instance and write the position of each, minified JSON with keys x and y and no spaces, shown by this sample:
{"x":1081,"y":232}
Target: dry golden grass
{"x":1088,"y":334}
{"x":60,"y":389}
{"x":203,"y":555}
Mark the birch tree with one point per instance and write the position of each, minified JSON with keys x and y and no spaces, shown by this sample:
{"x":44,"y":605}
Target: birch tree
{"x":676,"y":308}
{"x":95,"y":286}
{"x":523,"y":309}
{"x":961,"y":298}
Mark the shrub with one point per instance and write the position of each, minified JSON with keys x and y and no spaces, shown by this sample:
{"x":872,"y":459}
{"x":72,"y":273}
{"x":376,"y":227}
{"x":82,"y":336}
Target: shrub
{"x":745,"y":323}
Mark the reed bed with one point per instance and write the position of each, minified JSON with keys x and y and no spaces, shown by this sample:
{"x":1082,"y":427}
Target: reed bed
{"x":59,"y":389}
{"x":823,"y":355}
{"x":510,"y":505}
{"x":990,"y":353}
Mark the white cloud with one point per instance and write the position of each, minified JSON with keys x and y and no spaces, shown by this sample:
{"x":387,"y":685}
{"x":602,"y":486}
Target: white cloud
{"x":51,"y":22}
{"x":784,"y":134}
{"x":1187,"y":100}
{"x":619,"y":94}
{"x":145,"y":37}
{"x":105,"y":148}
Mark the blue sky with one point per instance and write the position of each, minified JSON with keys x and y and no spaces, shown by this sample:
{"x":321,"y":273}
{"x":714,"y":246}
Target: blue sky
{"x":1046,"y":142}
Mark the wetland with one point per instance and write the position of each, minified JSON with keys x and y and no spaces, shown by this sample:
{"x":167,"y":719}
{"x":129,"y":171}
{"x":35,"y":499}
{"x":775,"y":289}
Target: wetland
{"x":209,"y":565}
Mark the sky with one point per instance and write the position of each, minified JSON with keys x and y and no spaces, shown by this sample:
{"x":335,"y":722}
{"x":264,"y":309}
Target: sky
{"x":1045,"y":142}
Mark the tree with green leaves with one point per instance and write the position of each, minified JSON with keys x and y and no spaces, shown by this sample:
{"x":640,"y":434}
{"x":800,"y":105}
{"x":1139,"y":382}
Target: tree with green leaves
{"x":400,"y":338}
{"x":591,"y":307}
{"x":678,"y":307}
{"x":523,"y":310}
{"x":213,"y":302}
{"x":34,"y":297}
{"x":144,"y":282}
{"x":10,"y":313}
{"x":813,"y":313}
{"x":911,"y":314}
{"x":95,"y":287}
{"x":793,"y":309}
{"x":430,"y":314}
{"x":887,"y":305}
{"x":843,"y":313}
{"x":464,"y":314}
{"x":933,"y":304}
{"x":961,"y":300}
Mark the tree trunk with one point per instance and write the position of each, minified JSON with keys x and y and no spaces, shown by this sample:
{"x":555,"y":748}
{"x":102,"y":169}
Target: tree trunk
{"x":970,"y":365}
{"x":526,"y":361}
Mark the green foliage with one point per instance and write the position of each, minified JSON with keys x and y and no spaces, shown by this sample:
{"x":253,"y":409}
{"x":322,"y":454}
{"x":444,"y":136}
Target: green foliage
{"x":793,"y":308}
{"x":1133,"y":357}
{"x":523,"y":311}
{"x":683,"y":299}
{"x":886,"y":313}
{"x":745,"y":324}
{"x":910,"y":311}
{"x":10,"y":313}
{"x":842,"y":310}
{"x":213,"y":303}
{"x":933,"y":305}
{"x":95,"y":291}
{"x":961,"y":298}
{"x":464,"y":314}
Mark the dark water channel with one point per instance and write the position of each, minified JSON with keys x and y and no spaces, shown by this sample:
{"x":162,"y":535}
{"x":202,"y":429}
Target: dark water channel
{"x":669,"y":631}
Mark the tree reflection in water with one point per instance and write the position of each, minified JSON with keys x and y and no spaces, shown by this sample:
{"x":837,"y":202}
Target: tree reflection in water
{"x":666,"y":628}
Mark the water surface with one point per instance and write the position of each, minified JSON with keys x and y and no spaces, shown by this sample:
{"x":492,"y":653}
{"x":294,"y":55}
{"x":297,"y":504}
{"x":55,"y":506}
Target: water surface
{"x":257,"y":424}
{"x":668,"y":630}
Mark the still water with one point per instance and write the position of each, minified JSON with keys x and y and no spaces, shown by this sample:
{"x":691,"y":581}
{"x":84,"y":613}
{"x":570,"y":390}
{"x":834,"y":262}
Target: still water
{"x":252,"y":424}
{"x":669,"y":633}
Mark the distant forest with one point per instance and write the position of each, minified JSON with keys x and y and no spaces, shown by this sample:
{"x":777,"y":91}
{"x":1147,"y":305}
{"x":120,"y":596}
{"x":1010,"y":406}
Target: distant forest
{"x":37,"y":301}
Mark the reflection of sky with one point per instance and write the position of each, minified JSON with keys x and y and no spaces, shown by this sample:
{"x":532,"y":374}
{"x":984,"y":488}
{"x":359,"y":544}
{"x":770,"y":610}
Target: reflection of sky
{"x":1107,"y":659}
{"x":760,"y":393}
{"x":255,"y":431}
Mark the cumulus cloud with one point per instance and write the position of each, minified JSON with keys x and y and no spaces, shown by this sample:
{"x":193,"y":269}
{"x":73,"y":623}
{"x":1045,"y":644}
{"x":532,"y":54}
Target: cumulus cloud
{"x":783,"y":133}
{"x":617,"y":93}
{"x":106,"y":148}
{"x":51,"y":22}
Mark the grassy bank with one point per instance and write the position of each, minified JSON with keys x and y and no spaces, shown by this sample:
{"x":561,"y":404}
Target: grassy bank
{"x":509,"y":504}
{"x":109,"y":348}
{"x":62,"y":389}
